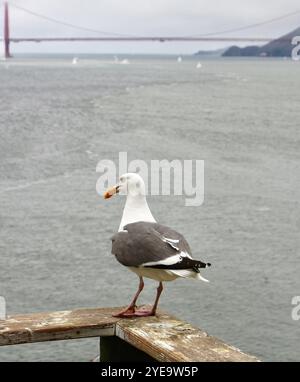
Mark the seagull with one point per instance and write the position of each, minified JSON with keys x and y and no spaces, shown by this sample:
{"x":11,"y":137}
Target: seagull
{"x":147,"y":248}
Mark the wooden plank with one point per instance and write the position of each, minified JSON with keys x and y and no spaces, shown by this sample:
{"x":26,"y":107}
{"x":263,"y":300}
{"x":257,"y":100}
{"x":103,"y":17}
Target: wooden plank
{"x":164,"y":338}
{"x":39,"y":327}
{"x":168,"y":339}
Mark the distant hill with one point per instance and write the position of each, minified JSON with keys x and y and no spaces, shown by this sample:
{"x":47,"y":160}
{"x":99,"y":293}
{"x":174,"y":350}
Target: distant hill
{"x":280,"y":47}
{"x":210,"y":53}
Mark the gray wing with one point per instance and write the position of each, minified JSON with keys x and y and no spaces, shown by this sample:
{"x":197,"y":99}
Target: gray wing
{"x":153,"y":245}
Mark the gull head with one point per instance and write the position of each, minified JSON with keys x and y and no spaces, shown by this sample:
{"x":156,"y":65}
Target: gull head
{"x":130,"y":184}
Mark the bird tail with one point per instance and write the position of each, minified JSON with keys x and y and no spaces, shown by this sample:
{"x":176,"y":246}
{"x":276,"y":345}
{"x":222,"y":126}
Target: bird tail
{"x":197,"y":267}
{"x":199,"y":264}
{"x":199,"y":277}
{"x":188,"y":273}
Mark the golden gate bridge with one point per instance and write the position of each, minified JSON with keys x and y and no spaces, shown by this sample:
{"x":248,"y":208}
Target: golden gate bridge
{"x":113,"y":37}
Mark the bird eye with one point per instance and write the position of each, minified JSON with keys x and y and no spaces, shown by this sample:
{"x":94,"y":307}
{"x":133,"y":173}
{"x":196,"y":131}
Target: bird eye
{"x":122,"y":179}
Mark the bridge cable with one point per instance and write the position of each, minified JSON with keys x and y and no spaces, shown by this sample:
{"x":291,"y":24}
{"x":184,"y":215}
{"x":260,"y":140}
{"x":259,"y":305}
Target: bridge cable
{"x":68,"y":24}
{"x":51,"y":19}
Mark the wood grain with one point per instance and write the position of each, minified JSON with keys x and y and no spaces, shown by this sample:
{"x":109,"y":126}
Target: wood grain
{"x":164,"y":338}
{"x":168,"y":339}
{"x":39,"y":327}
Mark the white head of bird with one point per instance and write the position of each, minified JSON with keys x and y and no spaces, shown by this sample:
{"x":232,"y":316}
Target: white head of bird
{"x":130,"y":184}
{"x":136,"y":207}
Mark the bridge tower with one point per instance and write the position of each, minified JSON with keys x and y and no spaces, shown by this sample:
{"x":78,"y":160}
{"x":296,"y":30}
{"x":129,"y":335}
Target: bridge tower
{"x":6,"y":31}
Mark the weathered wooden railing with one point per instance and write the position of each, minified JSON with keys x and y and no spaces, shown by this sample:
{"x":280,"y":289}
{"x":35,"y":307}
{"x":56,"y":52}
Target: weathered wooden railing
{"x":161,"y":338}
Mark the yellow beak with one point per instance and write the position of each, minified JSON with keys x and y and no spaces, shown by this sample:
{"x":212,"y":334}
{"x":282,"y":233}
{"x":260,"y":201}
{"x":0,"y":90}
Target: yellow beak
{"x":111,"y":192}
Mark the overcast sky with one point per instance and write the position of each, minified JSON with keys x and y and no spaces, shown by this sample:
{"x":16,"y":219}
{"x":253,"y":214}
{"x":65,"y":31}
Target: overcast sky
{"x":146,"y":17}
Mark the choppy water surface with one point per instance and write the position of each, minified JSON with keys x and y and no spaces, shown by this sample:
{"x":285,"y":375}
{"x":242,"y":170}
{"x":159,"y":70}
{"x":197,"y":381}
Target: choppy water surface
{"x":242,"y":117}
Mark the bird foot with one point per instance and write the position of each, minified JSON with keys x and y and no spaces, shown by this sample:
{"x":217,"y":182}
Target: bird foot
{"x":132,"y":312}
{"x":144,"y":313}
{"x":128,"y":312}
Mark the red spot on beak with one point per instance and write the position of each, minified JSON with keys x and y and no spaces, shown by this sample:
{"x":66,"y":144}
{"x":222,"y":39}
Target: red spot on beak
{"x":111,"y":192}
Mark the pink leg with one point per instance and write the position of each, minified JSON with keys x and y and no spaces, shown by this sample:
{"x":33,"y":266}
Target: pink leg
{"x":130,"y":310}
{"x":152,"y":312}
